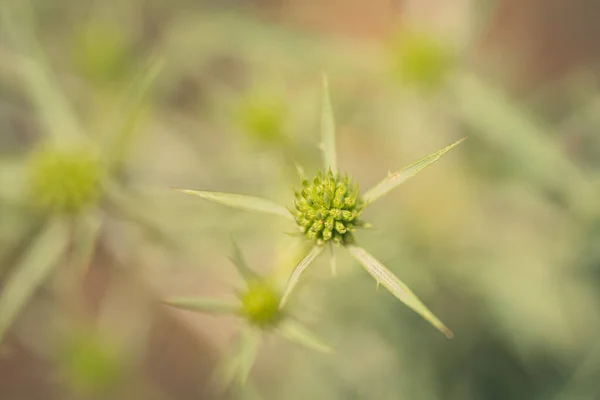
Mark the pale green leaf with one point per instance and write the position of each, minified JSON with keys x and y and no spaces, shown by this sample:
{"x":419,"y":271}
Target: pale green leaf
{"x":211,"y":306}
{"x":239,"y":365}
{"x":32,"y":66}
{"x":87,"y":231}
{"x":13,"y":178}
{"x":242,"y":201}
{"x":122,"y":129}
{"x":237,"y":258}
{"x":328,"y":130}
{"x":396,"y":178}
{"x":388,"y":280}
{"x":298,"y":270}
{"x":295,"y":332}
{"x":32,"y":271}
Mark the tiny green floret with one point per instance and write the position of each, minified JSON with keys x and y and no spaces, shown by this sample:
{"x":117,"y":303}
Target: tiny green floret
{"x":260,"y":305}
{"x":64,"y":181}
{"x":328,"y":208}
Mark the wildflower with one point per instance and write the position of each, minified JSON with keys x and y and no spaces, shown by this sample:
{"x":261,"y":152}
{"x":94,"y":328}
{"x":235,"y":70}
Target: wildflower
{"x":327,"y":210}
{"x":258,"y":305}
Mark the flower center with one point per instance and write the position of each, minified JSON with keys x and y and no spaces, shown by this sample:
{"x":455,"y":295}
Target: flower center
{"x":260,"y":305}
{"x":328,"y":208}
{"x":64,"y":181}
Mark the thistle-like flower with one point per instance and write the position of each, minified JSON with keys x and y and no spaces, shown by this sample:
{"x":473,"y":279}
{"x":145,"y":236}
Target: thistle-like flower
{"x":258,"y":306}
{"x":327,"y":209}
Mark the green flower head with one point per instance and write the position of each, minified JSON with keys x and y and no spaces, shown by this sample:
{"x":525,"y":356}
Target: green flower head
{"x":260,"y":304}
{"x":64,"y":181}
{"x":328,"y":208}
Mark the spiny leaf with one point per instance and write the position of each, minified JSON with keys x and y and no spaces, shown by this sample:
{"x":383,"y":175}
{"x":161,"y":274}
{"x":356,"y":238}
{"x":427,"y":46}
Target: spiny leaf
{"x":300,"y":268}
{"x":211,"y":306}
{"x":386,"y":278}
{"x":328,"y":130}
{"x":241,"y":201}
{"x":237,"y":258}
{"x":295,"y":332}
{"x":27,"y":276}
{"x":395,"y":179}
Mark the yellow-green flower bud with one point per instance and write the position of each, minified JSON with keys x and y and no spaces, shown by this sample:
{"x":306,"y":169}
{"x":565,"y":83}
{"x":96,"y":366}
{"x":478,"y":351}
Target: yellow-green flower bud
{"x":64,"y":181}
{"x":260,"y":304}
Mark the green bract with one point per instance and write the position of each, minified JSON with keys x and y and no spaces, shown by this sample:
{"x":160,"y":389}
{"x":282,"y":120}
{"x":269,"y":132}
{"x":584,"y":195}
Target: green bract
{"x":259,"y":306}
{"x":327,"y":210}
{"x":64,"y":180}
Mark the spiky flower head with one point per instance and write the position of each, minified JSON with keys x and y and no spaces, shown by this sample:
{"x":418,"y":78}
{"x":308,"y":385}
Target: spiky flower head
{"x":260,"y":304}
{"x":64,"y":181}
{"x":328,"y":208}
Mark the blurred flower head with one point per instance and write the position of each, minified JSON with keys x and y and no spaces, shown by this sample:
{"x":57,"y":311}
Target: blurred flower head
{"x":420,"y":59}
{"x":101,"y":51}
{"x":64,"y":180}
{"x":262,"y":117}
{"x":260,"y":304}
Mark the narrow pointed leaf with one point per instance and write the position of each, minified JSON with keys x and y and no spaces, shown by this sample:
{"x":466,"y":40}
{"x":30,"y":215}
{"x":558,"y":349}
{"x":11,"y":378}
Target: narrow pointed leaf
{"x":86,"y":236}
{"x":396,"y":178}
{"x":33,"y":67}
{"x":300,"y":268}
{"x":242,"y":201}
{"x":247,"y":349}
{"x":388,"y":280}
{"x":328,"y":130}
{"x":211,"y":306}
{"x":237,"y":258}
{"x":122,"y":129}
{"x":32,"y":271}
{"x":295,"y":332}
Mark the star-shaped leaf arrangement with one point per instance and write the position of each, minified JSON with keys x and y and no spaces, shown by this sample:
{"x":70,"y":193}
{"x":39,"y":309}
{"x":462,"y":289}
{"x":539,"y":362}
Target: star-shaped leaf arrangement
{"x":327,"y":210}
{"x":258,"y":306}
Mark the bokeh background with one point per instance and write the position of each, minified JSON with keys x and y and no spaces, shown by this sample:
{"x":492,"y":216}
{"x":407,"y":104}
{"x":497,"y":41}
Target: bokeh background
{"x":501,"y":238}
